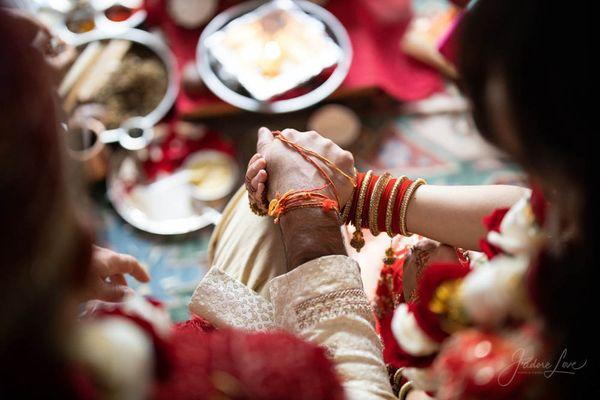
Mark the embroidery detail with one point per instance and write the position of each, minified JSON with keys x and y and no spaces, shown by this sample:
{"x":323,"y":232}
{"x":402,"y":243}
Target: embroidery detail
{"x":224,"y":301}
{"x":332,"y":305}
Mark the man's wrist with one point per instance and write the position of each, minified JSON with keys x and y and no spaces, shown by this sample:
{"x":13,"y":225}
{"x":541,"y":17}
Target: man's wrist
{"x":310,"y":233}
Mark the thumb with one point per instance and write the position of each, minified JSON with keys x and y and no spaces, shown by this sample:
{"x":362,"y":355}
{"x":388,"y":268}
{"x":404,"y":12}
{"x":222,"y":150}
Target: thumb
{"x":265,"y":137}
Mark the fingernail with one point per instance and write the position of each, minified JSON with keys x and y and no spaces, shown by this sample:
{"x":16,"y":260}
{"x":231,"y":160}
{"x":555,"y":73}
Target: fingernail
{"x":128,"y":293}
{"x":264,"y":129}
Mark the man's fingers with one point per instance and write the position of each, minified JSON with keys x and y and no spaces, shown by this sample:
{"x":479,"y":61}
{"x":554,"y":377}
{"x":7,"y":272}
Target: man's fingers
{"x":112,"y":292}
{"x":254,"y":158}
{"x":261,"y":177}
{"x":265,"y":137}
{"x":118,"y":279}
{"x":125,"y":264}
{"x":255,"y":168}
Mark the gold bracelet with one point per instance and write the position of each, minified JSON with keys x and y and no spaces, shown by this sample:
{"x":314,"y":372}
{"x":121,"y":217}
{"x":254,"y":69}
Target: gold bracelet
{"x":389,"y":212}
{"x":374,"y":204}
{"x":358,"y":241}
{"x":404,"y":390}
{"x":346,"y":210}
{"x":404,"y":207}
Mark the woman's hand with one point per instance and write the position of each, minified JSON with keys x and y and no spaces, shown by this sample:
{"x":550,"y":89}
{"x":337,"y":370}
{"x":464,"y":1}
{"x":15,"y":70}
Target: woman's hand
{"x":256,"y":180}
{"x":108,"y":272}
{"x":424,"y":253}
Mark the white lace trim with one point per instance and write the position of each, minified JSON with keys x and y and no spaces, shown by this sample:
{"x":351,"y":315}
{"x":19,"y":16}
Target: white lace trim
{"x":225,"y":302}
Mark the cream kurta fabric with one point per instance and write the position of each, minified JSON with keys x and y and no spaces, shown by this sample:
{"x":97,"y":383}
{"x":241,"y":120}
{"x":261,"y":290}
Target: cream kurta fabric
{"x":247,"y":247}
{"x":322,"y":301}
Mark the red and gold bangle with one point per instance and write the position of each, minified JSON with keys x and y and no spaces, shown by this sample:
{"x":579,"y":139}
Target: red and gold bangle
{"x":358,"y":240}
{"x":352,"y":215}
{"x":397,"y":203}
{"x":346,"y":212}
{"x":410,"y":191}
{"x":367,"y":202}
{"x":390,"y":206}
{"x":380,"y":186}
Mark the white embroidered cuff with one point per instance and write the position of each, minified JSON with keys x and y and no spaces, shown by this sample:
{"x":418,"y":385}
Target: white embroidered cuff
{"x":321,"y":289}
{"x":225,"y":302}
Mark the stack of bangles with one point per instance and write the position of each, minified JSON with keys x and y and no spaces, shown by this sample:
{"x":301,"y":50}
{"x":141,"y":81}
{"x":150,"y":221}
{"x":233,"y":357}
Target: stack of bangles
{"x":379,"y":203}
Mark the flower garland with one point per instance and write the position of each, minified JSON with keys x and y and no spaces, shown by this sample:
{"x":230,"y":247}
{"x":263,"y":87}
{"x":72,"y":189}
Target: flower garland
{"x":471,"y":318}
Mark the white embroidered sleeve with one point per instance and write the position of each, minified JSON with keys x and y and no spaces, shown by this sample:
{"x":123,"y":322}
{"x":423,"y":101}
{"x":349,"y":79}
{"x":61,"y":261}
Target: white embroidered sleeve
{"x":323,"y":301}
{"x":225,"y":302}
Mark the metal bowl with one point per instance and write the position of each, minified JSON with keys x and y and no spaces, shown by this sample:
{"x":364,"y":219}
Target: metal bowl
{"x":128,"y":134}
{"x":225,"y":93}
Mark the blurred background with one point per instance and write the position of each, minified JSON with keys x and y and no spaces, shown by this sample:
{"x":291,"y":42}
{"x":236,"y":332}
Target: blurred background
{"x":163,"y":99}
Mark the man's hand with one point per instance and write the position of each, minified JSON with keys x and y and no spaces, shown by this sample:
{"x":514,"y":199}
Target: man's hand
{"x":308,"y":233}
{"x":287,"y":169}
{"x":108,"y":275}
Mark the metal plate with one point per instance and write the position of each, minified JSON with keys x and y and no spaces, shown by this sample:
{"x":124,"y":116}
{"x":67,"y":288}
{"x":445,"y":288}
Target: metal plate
{"x":218,"y":87}
{"x":182,"y":214}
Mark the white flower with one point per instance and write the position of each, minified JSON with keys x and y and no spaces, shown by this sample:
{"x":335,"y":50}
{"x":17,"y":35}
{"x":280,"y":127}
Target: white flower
{"x":409,"y":335}
{"x":491,"y":293}
{"x":119,"y":354}
{"x":519,"y":233}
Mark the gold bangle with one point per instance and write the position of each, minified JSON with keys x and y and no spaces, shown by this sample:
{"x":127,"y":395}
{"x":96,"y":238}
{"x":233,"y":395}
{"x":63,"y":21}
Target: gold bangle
{"x":380,"y":186}
{"x":389,"y":212}
{"x":346,"y":210}
{"x":358,"y":240}
{"x":404,"y":390}
{"x":404,"y":207}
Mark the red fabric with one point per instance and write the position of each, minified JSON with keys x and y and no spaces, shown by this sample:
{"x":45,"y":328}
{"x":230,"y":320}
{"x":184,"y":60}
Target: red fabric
{"x":194,"y":324}
{"x":196,"y":361}
{"x":377,"y":62}
{"x":243,"y":365}
{"x":389,"y":11}
{"x":434,"y":275}
{"x":492,"y":223}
